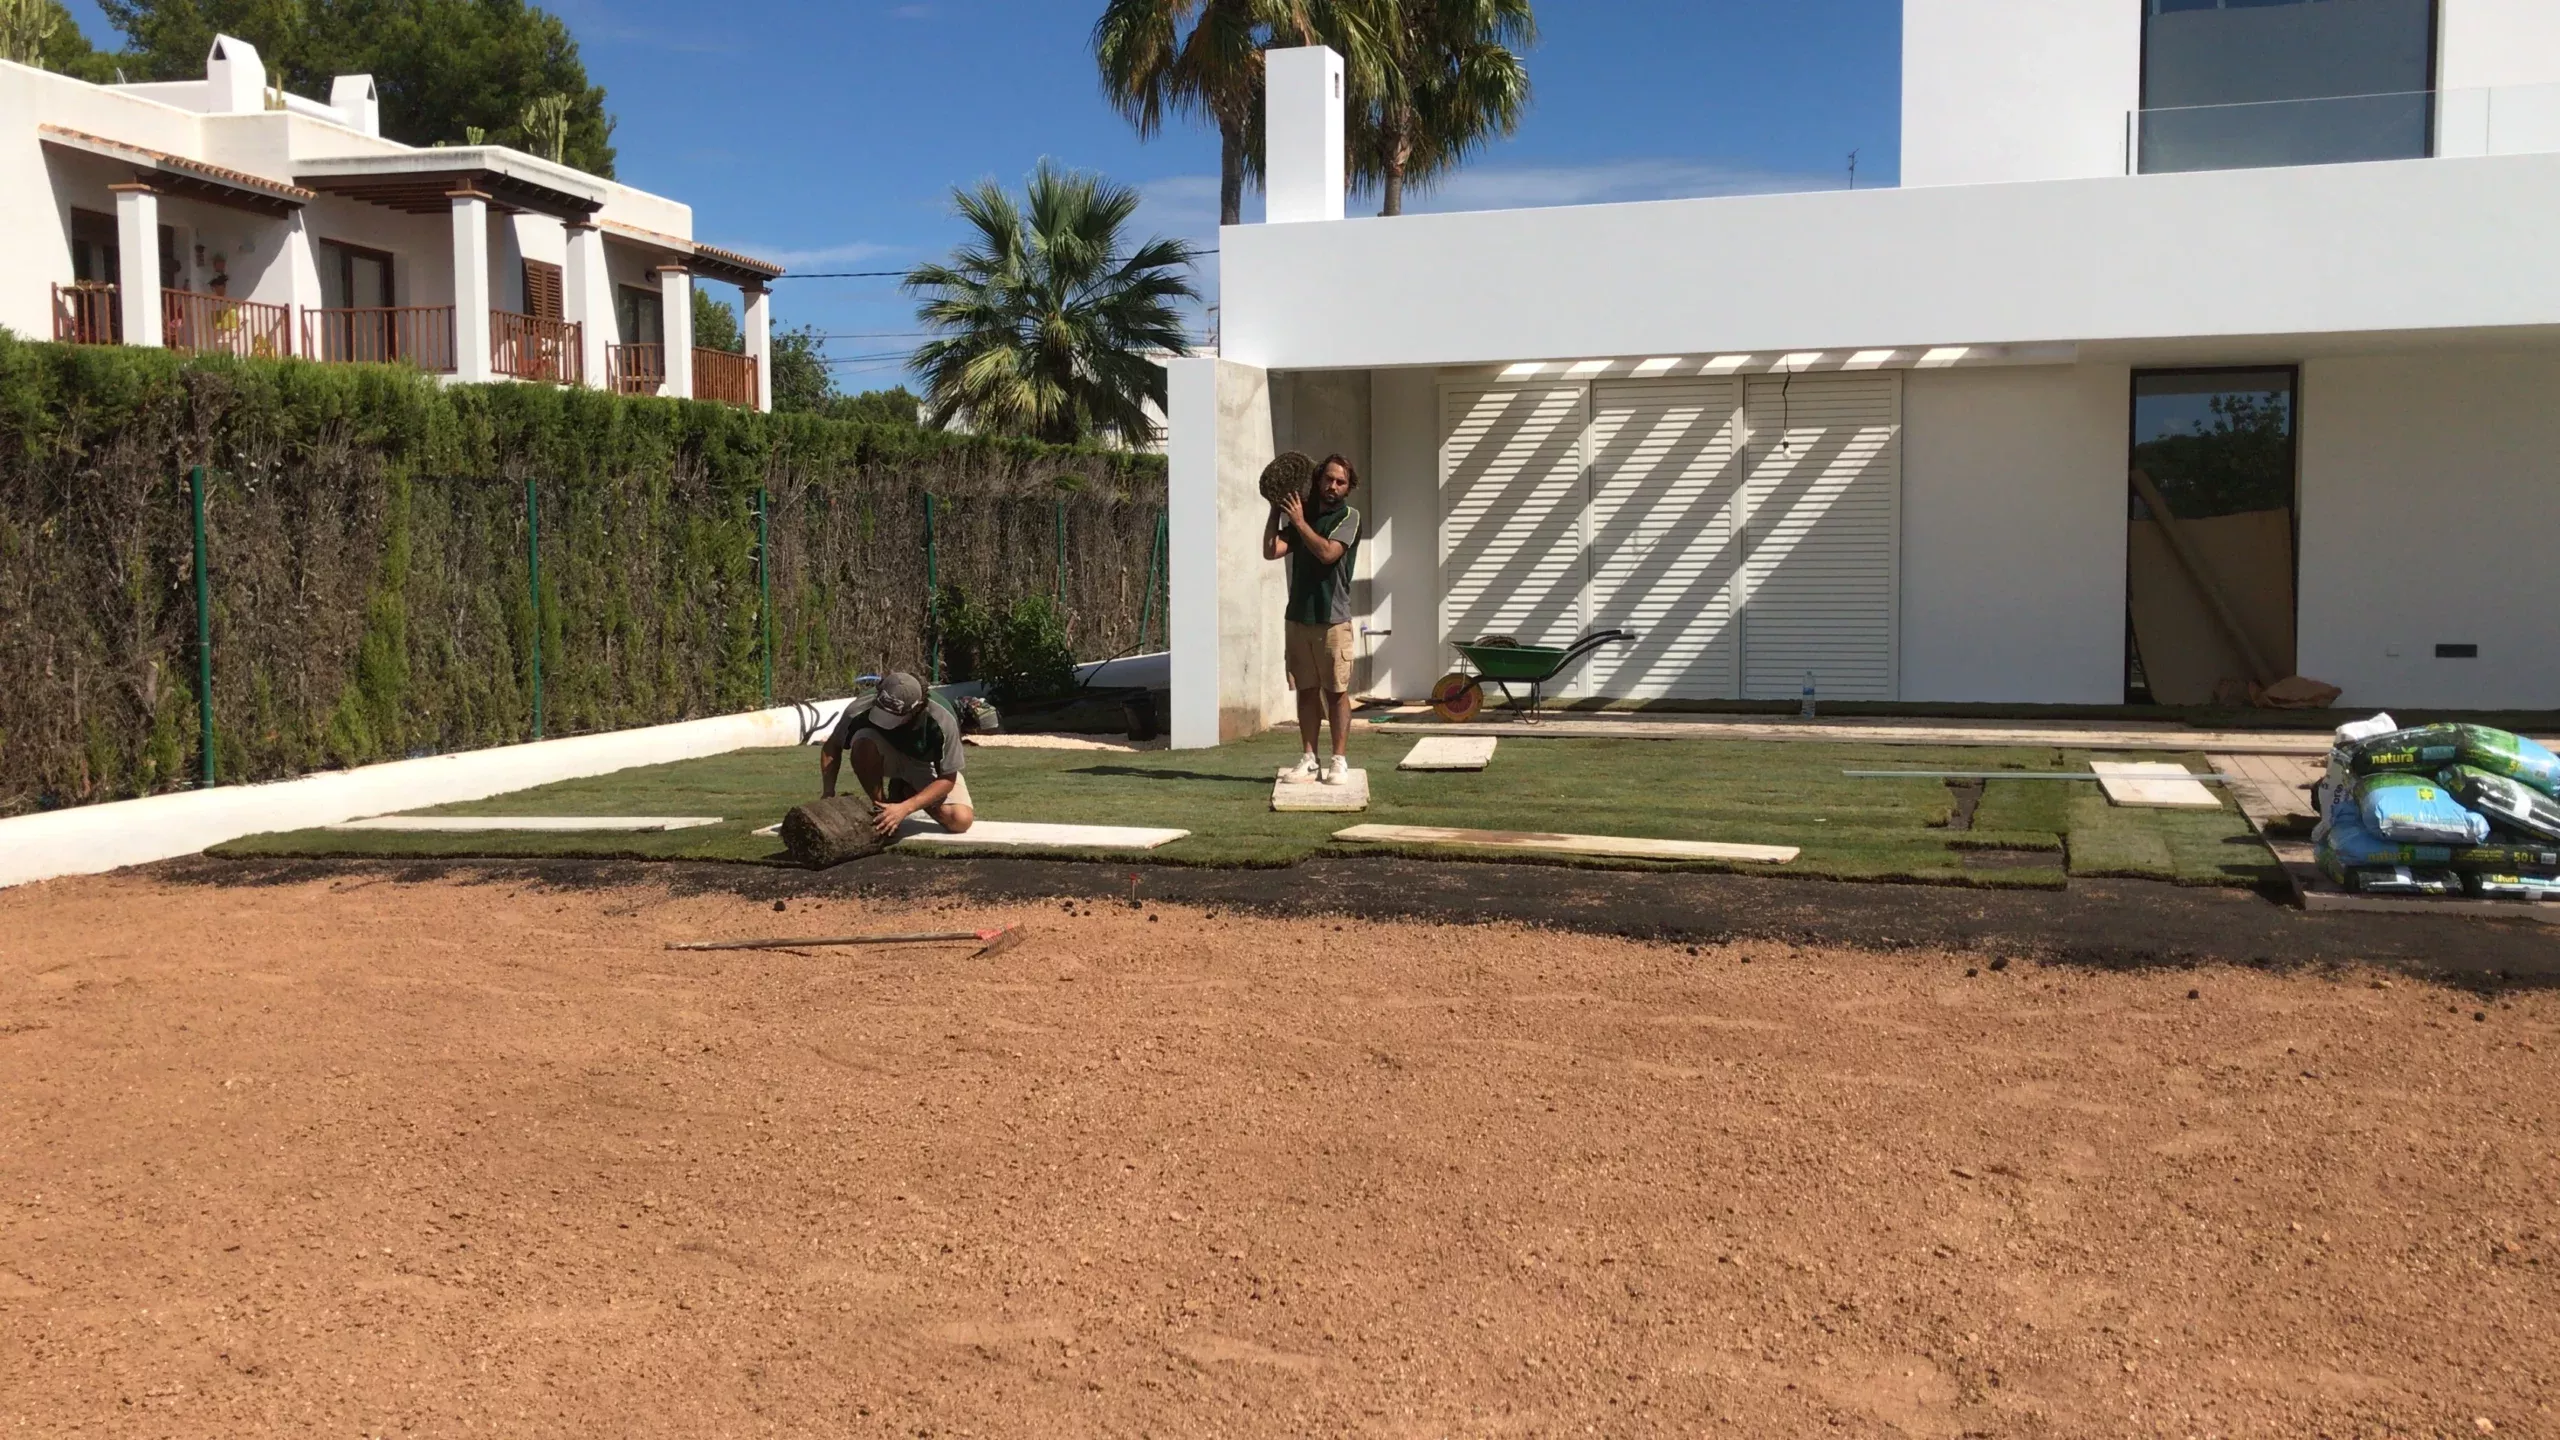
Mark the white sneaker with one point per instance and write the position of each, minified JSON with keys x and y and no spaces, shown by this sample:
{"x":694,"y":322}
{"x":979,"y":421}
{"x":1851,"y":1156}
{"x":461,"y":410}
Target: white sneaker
{"x":1302,"y":772}
{"x":1339,"y":772}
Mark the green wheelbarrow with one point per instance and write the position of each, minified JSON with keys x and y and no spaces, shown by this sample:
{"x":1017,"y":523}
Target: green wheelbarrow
{"x":1459,"y":696}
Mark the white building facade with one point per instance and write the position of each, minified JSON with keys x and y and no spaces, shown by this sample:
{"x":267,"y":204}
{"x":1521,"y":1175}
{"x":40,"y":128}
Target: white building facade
{"x":225,"y":214}
{"x":2288,"y":259}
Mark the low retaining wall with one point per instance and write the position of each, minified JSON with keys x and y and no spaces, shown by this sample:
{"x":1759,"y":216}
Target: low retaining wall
{"x":90,"y":838}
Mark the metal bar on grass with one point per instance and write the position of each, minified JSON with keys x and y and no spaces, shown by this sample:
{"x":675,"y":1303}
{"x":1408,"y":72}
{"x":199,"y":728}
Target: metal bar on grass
{"x":2202,"y":778}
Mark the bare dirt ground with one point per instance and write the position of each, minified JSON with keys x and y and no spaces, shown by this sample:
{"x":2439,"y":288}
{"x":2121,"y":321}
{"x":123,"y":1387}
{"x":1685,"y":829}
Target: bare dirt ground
{"x":359,"y":1157}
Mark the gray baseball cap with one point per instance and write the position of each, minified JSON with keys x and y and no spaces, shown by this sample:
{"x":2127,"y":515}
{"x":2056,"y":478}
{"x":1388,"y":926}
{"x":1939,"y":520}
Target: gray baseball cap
{"x":897,"y":700}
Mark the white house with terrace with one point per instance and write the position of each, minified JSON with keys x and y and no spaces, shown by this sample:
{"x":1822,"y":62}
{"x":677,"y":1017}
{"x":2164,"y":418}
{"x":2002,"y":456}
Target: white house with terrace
{"x":2204,"y":342}
{"x":225,"y":214}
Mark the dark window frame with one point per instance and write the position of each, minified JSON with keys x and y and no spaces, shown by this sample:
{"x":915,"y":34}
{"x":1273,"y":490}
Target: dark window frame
{"x":349,"y":250}
{"x":2435,"y":75}
{"x":2292,"y":370}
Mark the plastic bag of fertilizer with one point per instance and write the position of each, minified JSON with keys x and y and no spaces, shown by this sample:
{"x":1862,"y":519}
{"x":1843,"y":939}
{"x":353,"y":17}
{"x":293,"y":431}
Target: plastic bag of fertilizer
{"x":2511,"y":803}
{"x":2404,"y":880}
{"x":2373,"y":729}
{"x":2422,"y":751}
{"x":2502,"y":753}
{"x":2417,"y":809}
{"x":2516,"y":887}
{"x":2341,"y":843}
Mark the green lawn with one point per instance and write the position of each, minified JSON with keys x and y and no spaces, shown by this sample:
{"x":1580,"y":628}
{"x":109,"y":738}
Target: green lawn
{"x":1752,"y":792}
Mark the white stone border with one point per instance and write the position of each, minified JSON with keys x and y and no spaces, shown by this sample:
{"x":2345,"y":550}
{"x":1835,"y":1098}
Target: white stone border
{"x":87,"y":839}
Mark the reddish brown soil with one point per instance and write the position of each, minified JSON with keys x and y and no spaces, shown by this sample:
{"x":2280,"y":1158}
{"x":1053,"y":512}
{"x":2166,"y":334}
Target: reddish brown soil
{"x":368,"y":1158}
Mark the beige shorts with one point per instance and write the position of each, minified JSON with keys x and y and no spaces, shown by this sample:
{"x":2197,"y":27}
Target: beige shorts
{"x":902,"y":775}
{"x":1320,"y":657}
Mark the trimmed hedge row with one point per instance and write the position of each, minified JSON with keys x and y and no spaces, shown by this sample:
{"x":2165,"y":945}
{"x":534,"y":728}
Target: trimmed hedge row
{"x":367,"y":534}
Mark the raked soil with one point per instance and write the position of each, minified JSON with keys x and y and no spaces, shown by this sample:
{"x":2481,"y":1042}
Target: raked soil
{"x":359,"y":1157}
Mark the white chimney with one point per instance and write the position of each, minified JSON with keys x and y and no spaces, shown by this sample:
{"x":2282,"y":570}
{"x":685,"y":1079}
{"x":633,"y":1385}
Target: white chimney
{"x":353,"y":96}
{"x":1302,"y":128}
{"x":235,"y":80}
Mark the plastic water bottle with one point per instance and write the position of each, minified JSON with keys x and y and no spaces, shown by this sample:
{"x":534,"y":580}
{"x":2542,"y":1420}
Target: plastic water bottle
{"x":1807,"y":712}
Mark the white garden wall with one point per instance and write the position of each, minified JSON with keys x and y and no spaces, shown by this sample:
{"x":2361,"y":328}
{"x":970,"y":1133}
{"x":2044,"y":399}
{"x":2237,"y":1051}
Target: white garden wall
{"x":88,"y":839}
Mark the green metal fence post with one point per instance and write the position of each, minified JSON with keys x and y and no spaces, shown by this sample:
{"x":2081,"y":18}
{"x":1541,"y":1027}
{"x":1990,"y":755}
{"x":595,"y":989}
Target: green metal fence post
{"x":204,"y":625}
{"x":764,"y":586}
{"x":1147,"y":598}
{"x":533,"y":590}
{"x":932,"y":595}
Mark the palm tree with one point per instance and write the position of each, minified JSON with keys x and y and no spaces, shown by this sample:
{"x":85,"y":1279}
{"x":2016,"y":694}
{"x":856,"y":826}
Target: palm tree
{"x":1431,"y":82}
{"x":1047,"y":314}
{"x":1151,"y":65}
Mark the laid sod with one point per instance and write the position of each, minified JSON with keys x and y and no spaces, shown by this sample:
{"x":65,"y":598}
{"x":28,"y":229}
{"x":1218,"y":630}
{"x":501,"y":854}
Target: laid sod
{"x":1736,"y":791}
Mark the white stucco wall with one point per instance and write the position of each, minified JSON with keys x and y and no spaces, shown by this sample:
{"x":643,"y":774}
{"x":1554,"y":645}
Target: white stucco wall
{"x":2498,"y":42}
{"x":2430,"y":514}
{"x":2002,"y":90}
{"x":1404,"y":533}
{"x":2013,"y":534}
{"x":2405,"y":245}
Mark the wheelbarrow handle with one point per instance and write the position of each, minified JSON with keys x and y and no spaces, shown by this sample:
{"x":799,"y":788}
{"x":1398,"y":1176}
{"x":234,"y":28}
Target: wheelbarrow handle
{"x":1594,"y":641}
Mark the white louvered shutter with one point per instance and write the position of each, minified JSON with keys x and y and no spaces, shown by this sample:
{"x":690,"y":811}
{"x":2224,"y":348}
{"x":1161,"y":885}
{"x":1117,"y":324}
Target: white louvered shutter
{"x":1511,"y":513}
{"x":1665,"y":468}
{"x":1821,"y":514}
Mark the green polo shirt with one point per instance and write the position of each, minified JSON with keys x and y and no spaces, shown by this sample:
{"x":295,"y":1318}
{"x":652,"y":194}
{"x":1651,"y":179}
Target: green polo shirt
{"x":1320,"y":594}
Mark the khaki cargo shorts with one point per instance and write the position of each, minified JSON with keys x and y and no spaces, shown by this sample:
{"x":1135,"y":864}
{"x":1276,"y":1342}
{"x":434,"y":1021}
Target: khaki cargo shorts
{"x":902,"y":775}
{"x":1320,"y":657}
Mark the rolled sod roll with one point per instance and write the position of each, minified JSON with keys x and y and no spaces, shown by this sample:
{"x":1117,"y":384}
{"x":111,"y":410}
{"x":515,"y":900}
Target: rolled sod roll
{"x":830,"y":832}
{"x":1287,"y":475}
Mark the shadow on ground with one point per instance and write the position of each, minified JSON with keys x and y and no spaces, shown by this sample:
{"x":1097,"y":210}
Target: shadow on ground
{"x":2110,"y":923}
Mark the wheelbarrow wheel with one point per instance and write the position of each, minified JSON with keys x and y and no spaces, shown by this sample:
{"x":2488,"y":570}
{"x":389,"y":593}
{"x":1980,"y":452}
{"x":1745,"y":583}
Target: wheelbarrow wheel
{"x":1457,"y":697}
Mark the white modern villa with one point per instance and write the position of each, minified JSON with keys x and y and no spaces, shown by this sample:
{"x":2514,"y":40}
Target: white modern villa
{"x":225,"y":214}
{"x":2295,"y":264}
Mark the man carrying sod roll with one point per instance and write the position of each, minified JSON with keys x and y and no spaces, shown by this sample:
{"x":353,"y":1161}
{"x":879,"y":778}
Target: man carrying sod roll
{"x":1317,"y":532}
{"x":906,"y":753}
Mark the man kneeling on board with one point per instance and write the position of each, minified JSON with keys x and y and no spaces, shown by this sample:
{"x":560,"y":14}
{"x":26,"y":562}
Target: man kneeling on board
{"x":906,"y":752}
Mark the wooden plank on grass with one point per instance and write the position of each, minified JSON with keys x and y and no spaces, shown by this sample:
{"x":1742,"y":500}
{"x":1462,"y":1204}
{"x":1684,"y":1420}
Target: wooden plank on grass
{"x":479,"y":824}
{"x":1449,"y":752}
{"x":2153,"y":785}
{"x":1021,"y":834}
{"x":1294,"y":796}
{"x":1622,"y":847}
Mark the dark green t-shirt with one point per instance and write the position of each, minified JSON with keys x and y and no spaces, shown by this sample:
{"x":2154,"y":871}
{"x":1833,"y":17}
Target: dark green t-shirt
{"x":1320,"y":594}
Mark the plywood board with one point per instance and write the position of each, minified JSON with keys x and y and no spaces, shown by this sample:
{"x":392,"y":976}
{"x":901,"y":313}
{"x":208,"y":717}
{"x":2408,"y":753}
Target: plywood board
{"x":1622,"y":847}
{"x":1014,"y":834}
{"x":467,"y":824}
{"x":1449,"y":752}
{"x":1316,"y":797}
{"x":2185,"y":653}
{"x":2153,"y":785}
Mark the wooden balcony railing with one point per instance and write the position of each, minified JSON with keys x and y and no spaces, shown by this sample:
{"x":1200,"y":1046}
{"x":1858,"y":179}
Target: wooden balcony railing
{"x":635,"y":369}
{"x":420,"y":335}
{"x":86,"y":312}
{"x":208,"y":324}
{"x":724,"y":376}
{"x":527,"y":347}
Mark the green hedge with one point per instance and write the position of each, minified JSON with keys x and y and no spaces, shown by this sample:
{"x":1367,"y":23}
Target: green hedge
{"x":367,"y":534}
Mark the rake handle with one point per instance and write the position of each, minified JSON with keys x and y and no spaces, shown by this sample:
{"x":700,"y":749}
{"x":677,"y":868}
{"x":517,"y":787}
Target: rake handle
{"x":927,"y":938}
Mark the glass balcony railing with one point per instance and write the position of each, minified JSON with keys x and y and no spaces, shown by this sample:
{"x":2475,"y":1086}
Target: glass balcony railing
{"x":2413,"y":125}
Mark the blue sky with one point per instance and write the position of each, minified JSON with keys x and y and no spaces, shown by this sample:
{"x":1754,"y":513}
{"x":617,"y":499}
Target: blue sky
{"x":827,"y":134}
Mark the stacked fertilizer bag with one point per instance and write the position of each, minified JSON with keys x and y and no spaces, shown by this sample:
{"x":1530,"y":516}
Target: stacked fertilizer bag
{"x":2440,"y":810}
